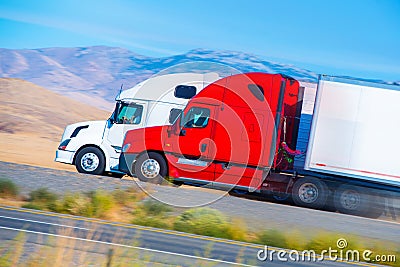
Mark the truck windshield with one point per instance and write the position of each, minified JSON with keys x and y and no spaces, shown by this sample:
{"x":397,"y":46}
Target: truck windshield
{"x":197,"y":118}
{"x":129,"y":113}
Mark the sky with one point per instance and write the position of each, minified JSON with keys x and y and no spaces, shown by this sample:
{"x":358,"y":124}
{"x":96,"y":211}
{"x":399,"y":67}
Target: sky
{"x":359,"y":38}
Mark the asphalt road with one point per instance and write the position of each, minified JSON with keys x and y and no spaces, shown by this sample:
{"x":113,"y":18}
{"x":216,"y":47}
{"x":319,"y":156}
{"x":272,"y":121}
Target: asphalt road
{"x":149,"y":246}
{"x":256,"y":214}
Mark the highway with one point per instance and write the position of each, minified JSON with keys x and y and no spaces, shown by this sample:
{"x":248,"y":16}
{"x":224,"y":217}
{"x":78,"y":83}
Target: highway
{"x":149,"y":245}
{"x":256,"y":214}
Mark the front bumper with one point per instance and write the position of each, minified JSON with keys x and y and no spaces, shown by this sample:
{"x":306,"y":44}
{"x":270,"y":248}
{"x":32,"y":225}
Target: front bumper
{"x":65,"y":156}
{"x":126,"y":161}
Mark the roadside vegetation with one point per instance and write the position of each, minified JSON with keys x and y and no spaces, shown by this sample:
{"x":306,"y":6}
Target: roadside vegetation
{"x":134,"y":206}
{"x":8,"y":189}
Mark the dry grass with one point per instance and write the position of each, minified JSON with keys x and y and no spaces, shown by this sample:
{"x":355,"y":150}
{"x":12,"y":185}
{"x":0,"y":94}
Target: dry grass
{"x":32,"y":120}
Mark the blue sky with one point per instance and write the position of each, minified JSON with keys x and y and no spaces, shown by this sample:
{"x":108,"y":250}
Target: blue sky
{"x":355,"y":37}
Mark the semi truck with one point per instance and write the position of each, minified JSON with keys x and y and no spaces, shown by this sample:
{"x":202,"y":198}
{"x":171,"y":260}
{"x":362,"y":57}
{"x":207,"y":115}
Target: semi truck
{"x":94,"y":146}
{"x":264,"y":134}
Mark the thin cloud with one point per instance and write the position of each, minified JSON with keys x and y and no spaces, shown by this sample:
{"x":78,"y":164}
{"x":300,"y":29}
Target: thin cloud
{"x":107,"y":34}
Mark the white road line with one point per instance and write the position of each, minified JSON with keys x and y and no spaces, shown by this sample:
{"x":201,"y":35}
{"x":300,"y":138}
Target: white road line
{"x":55,"y":224}
{"x":127,"y":246}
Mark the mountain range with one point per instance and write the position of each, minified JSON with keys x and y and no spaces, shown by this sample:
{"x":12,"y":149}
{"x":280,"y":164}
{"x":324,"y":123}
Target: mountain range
{"x":94,"y":75}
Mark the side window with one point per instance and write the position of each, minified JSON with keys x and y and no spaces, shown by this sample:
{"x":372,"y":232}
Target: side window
{"x":197,"y":118}
{"x":174,"y":115}
{"x":257,"y":91}
{"x":130,"y":114}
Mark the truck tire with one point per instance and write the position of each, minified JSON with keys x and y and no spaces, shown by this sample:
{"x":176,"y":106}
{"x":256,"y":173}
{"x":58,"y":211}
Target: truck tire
{"x":359,"y":201}
{"x":310,"y":192}
{"x":330,"y":203}
{"x":151,"y":167}
{"x":90,"y":160}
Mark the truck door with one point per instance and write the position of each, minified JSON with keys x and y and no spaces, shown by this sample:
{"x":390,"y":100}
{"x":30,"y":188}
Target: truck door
{"x":194,"y":145}
{"x":127,"y":116}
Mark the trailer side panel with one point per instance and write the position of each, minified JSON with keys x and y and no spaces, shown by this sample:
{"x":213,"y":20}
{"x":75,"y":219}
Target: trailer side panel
{"x":355,"y":131}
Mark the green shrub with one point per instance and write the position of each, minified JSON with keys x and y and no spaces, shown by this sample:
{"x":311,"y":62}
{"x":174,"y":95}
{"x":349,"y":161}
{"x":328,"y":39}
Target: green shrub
{"x":324,"y":240}
{"x":33,"y":206}
{"x":8,"y":188}
{"x":93,"y":204}
{"x":155,"y":208}
{"x":152,"y":221}
{"x":75,"y":204}
{"x":152,"y":213}
{"x":128,"y":196}
{"x":296,"y":239}
{"x":101,"y":202}
{"x":272,"y":238}
{"x":237,"y":230}
{"x":122,"y":197}
{"x":203,"y":221}
{"x":41,"y":199}
{"x":42,"y":195}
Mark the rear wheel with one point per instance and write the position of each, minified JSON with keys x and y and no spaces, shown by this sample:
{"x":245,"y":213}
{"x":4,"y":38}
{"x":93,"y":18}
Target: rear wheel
{"x":90,"y":160}
{"x":330,"y":204}
{"x":359,"y":201}
{"x":310,"y":192}
{"x":151,"y":167}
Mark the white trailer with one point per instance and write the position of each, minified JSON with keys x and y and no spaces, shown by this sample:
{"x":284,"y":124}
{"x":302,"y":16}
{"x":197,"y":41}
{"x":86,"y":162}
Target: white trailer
{"x":348,"y":134}
{"x":355,"y":131}
{"x":94,"y":147}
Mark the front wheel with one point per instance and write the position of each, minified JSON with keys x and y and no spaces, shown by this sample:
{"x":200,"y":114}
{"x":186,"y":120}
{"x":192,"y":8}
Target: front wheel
{"x":90,"y":160}
{"x":151,"y":167}
{"x":310,"y":192}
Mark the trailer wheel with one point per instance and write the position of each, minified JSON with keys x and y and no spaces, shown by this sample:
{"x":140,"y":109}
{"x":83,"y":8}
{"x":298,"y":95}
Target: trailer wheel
{"x":90,"y":160}
{"x":359,"y":201}
{"x":330,"y":203}
{"x":310,"y":192}
{"x":150,"y":167}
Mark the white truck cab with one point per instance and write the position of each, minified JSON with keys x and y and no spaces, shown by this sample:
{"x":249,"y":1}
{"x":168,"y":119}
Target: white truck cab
{"x":94,"y":147}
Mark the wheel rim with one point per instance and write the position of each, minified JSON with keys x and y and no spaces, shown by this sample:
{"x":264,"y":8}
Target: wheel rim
{"x":350,"y":200}
{"x":150,"y":168}
{"x":308,"y":193}
{"x":90,"y":162}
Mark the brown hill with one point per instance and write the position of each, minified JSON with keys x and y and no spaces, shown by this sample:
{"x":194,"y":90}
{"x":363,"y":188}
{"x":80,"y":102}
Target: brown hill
{"x":32,"y":120}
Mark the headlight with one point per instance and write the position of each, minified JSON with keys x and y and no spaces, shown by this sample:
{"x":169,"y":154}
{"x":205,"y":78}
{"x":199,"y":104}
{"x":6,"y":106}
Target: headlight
{"x":126,"y":147}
